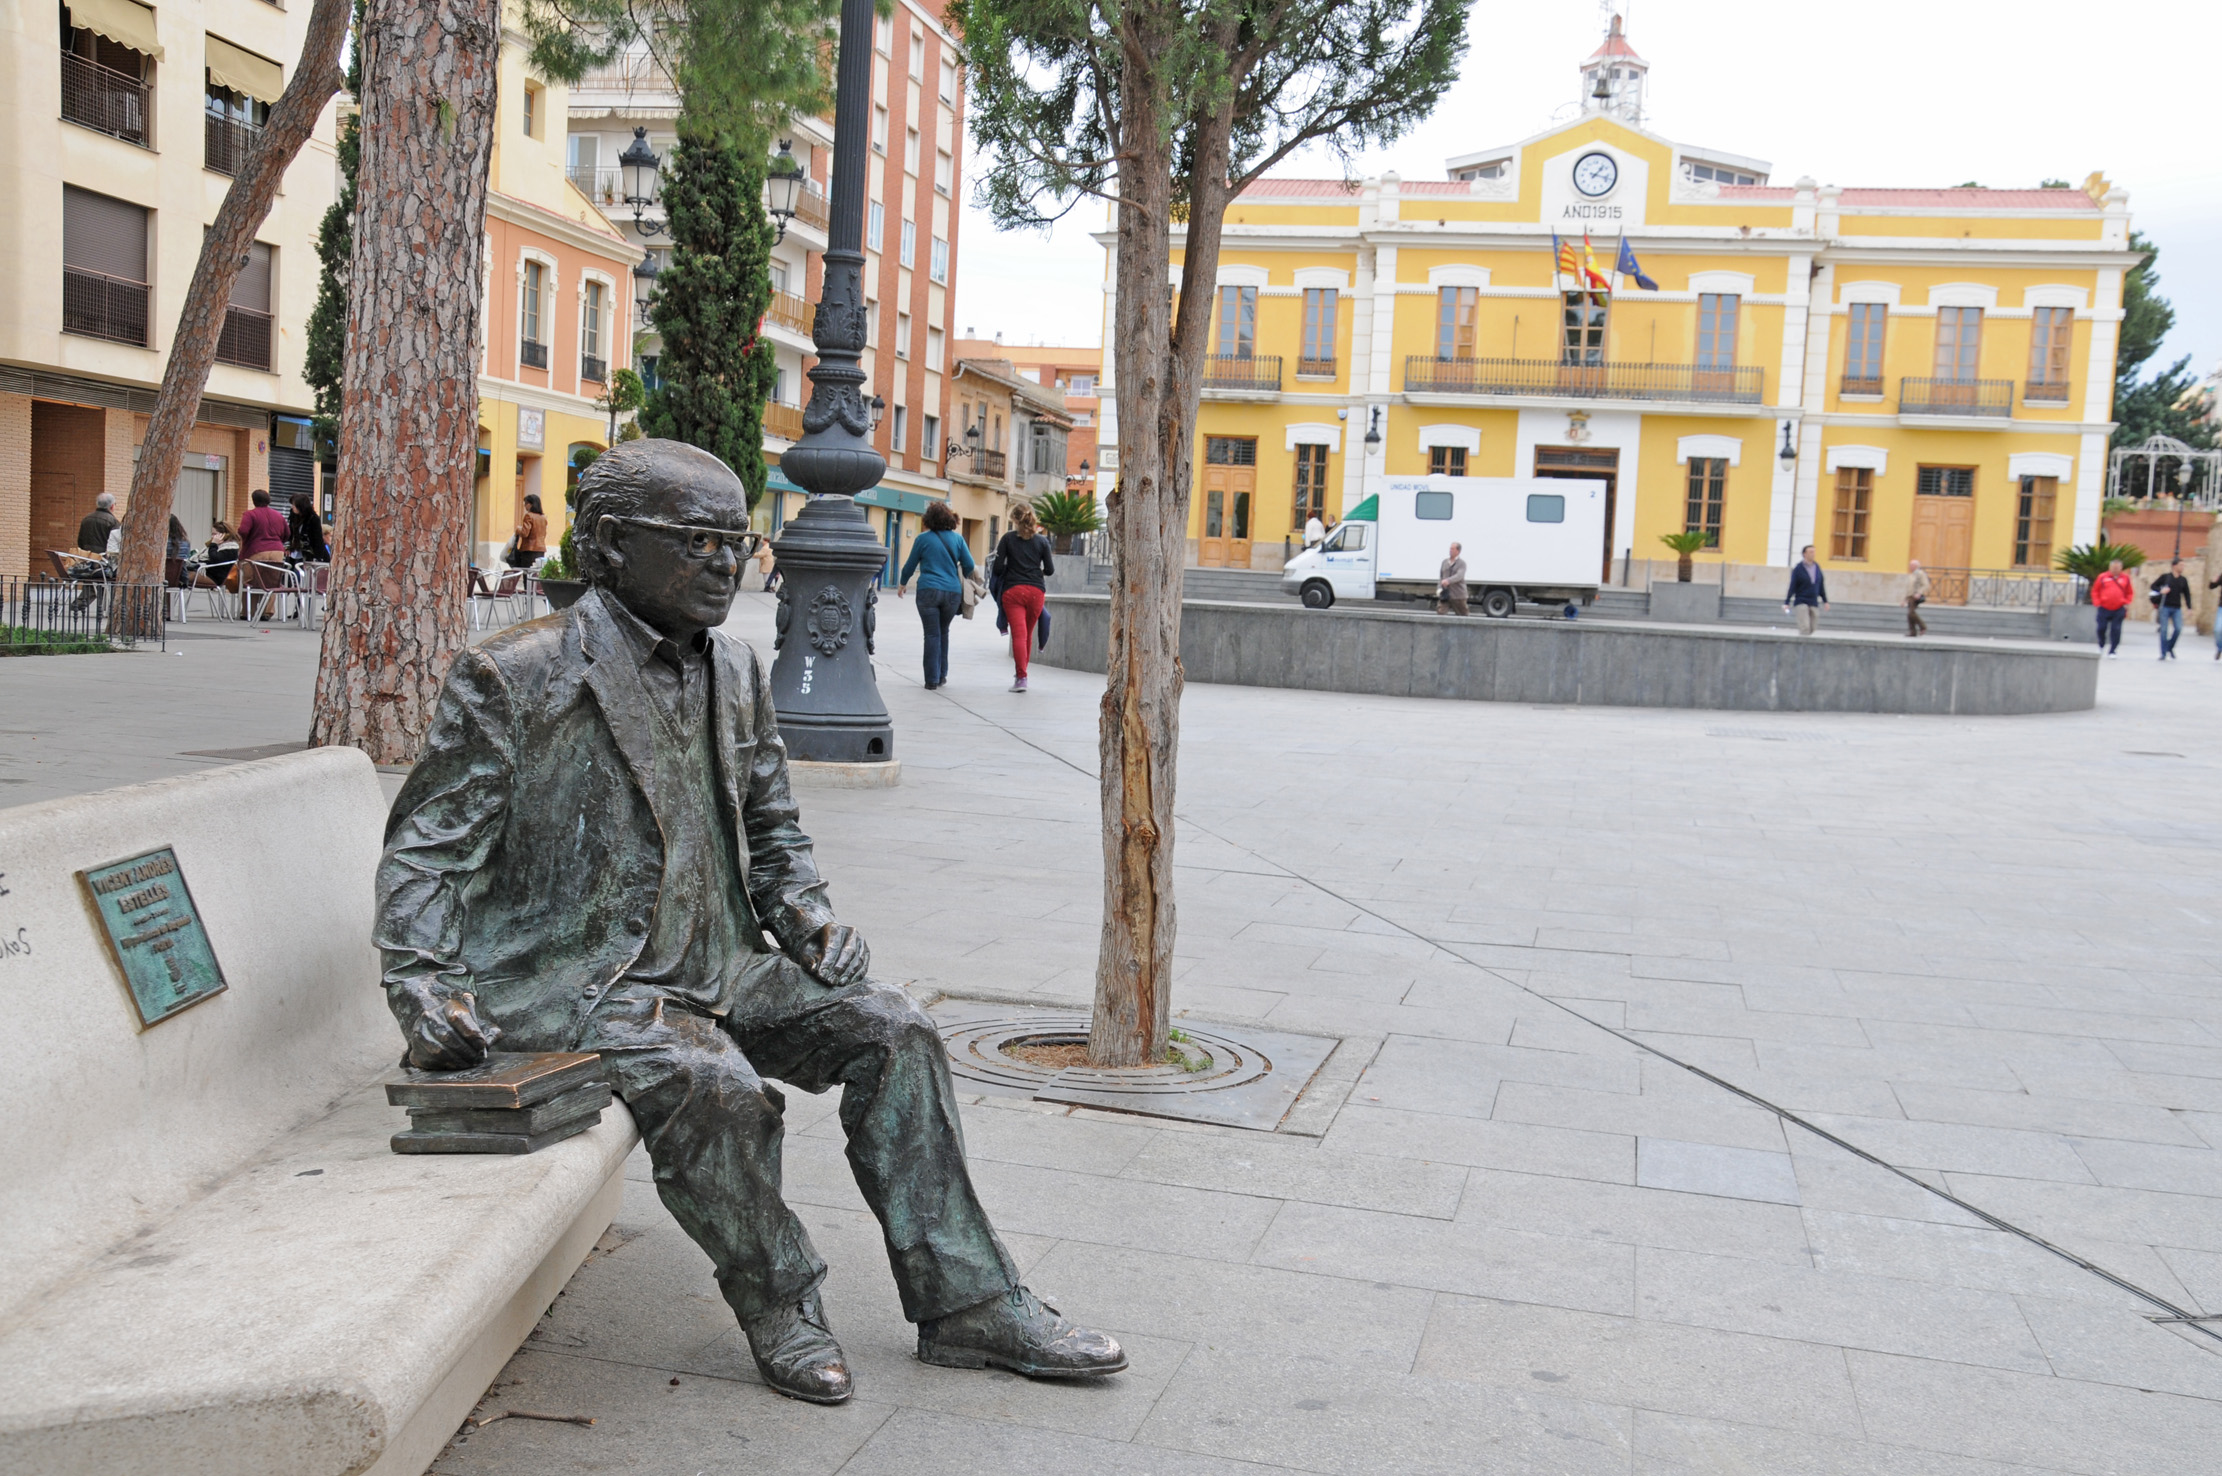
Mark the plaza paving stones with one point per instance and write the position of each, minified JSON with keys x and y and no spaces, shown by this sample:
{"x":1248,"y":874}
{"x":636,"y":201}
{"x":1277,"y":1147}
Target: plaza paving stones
{"x":1517,"y":1232}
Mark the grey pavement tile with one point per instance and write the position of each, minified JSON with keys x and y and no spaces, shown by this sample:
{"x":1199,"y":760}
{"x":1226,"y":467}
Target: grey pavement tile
{"x":1478,"y":1142}
{"x":1975,"y":1255}
{"x":1258,"y":1163}
{"x":1260,"y":1308}
{"x":2168,"y":1060}
{"x":1461,"y":1256}
{"x":1728,"y":1056}
{"x":1900,"y":1061}
{"x":2055,"y":1423}
{"x":1712,"y":1116}
{"x":2116,"y":1343}
{"x":2075,"y":1214}
{"x":1632,"y":1216}
{"x":924,"y":1443}
{"x":2078,"y":1117}
{"x":1327,"y":1418}
{"x":1746,"y":1024}
{"x":647,"y":1420}
{"x":1055,"y":1140}
{"x":1685,"y":1445}
{"x":1961,"y":1147}
{"x":2114,"y":1025}
{"x":2198,"y":1273}
{"x":1445,"y":1076}
{"x":1131,"y":1212}
{"x":1845,"y":1309}
{"x":2119,"y":1084}
{"x":1644,"y":1365}
{"x":2171,"y":1170}
{"x":1710,"y":1168}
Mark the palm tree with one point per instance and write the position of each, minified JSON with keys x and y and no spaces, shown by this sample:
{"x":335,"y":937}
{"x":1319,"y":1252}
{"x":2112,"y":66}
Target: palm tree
{"x":1685,"y":544}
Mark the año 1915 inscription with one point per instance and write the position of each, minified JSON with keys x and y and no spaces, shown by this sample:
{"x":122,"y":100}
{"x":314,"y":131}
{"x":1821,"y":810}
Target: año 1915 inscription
{"x":155,"y":933}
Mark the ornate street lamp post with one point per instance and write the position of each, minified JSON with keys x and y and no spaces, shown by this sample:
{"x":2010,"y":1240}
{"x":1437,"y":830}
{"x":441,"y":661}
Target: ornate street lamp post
{"x":822,"y":686}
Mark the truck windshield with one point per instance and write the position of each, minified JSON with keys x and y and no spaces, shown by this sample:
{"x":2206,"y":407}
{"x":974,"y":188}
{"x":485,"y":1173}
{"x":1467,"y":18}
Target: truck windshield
{"x":1349,"y":538}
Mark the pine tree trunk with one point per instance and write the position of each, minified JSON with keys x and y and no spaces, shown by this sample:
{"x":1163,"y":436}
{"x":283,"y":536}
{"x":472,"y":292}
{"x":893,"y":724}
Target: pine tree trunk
{"x":146,"y":524}
{"x":409,"y":424}
{"x":1159,"y":364}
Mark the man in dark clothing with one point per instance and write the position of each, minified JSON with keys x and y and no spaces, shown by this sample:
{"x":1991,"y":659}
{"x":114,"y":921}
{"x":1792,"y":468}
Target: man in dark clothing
{"x":1809,"y":592}
{"x":590,"y":855}
{"x":2171,"y":594}
{"x":93,"y":531}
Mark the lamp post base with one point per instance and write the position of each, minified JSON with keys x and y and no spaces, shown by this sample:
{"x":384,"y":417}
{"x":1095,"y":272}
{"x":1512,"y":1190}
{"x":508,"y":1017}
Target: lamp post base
{"x":823,"y":690}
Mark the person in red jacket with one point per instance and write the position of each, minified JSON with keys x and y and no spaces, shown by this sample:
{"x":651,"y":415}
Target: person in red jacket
{"x":2111,"y":593}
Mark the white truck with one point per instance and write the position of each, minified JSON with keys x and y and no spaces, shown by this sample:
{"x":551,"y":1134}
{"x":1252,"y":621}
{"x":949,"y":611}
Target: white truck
{"x":1538,"y":539}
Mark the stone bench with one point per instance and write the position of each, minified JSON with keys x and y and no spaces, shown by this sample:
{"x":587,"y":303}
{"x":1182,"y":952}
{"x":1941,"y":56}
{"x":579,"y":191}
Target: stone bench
{"x":210,"y":1261}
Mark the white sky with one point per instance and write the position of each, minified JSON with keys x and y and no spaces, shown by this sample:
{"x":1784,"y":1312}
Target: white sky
{"x":1890,"y":92}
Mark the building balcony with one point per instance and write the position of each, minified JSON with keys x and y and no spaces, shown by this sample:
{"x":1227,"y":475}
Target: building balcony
{"x":532,"y":355}
{"x":790,"y":312}
{"x":100,"y":306}
{"x":245,"y":340}
{"x":1855,"y":385}
{"x":783,"y":421}
{"x":605,"y":186}
{"x":591,"y":367}
{"x":1987,"y":398}
{"x":993,"y":465}
{"x":1243,"y":373}
{"x":2038,"y":392}
{"x":107,"y":100}
{"x":227,"y":143}
{"x":812,"y":208}
{"x":1315,"y":368}
{"x":1743,"y":384}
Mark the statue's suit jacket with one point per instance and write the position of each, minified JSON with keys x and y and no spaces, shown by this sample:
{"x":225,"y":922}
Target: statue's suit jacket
{"x":524,"y":857}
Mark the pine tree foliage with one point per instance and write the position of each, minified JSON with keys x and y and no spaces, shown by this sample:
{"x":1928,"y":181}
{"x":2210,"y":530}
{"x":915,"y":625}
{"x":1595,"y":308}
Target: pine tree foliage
{"x":326,"y":352}
{"x":2162,"y":405}
{"x":717,"y":369}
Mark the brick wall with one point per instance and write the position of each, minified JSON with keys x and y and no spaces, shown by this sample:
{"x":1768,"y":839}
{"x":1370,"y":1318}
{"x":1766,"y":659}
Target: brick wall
{"x":15,"y":486}
{"x":69,"y":459}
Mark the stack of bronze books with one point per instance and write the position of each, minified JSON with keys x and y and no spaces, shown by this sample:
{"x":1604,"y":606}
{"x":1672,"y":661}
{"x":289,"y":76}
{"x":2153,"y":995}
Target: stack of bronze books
{"x":511,"y":1102}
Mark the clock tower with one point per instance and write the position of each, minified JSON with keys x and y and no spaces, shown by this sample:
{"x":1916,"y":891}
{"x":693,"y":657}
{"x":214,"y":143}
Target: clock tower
{"x":1613,"y":79}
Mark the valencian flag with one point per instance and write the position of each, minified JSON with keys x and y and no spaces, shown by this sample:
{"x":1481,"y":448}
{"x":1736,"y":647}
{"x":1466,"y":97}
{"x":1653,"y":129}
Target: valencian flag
{"x":1563,"y":258}
{"x":1598,"y":281}
{"x":1627,"y":267}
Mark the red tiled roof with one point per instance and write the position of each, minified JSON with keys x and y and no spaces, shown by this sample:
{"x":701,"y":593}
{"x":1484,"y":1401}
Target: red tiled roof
{"x":1973,"y":199}
{"x":1615,"y":44}
{"x":1290,"y":189}
{"x":1758,"y":194}
{"x":1434,"y":187}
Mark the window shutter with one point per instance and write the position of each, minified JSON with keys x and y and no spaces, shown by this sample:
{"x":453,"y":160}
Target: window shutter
{"x":251,"y":289}
{"x":103,"y":235}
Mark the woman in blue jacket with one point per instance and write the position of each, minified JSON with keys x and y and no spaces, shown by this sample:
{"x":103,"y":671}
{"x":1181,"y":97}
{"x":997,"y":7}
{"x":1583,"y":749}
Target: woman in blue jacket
{"x":942,"y":562}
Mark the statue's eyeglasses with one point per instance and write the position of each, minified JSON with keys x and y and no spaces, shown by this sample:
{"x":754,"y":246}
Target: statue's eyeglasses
{"x":702,"y":543}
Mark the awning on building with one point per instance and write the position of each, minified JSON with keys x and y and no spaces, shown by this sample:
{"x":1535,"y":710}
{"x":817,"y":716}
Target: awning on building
{"x":120,"y":21}
{"x":243,"y":71}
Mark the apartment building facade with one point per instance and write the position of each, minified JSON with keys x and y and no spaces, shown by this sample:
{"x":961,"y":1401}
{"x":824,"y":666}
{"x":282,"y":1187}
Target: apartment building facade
{"x":124,"y":124}
{"x":913,"y":178}
{"x":1073,"y":371}
{"x":1008,"y":444}
{"x":1888,"y":374}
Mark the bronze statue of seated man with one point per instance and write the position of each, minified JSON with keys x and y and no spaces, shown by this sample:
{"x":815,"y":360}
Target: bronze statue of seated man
{"x":598,"y":851}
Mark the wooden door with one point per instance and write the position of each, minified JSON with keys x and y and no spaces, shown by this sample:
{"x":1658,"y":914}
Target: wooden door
{"x":1229,"y":492}
{"x":1943,"y":537}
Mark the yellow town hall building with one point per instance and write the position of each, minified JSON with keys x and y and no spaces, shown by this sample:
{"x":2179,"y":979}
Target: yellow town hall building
{"x":1885,"y":373}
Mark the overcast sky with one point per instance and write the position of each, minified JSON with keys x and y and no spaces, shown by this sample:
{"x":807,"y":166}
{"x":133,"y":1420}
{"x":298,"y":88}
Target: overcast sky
{"x":1890,"y":92}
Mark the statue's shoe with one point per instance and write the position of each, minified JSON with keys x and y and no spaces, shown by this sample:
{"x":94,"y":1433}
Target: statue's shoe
{"x":796,"y":1353}
{"x":1020,"y":1332}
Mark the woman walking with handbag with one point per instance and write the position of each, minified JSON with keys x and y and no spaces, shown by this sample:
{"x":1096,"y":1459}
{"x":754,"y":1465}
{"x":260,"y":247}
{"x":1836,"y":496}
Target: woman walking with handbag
{"x":942,"y":563}
{"x":1022,"y":569}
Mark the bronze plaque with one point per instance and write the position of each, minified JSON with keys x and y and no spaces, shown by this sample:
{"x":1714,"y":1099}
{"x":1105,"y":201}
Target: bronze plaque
{"x":155,"y":933}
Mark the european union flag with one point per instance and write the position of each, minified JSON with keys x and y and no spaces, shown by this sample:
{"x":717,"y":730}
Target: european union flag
{"x":1627,"y":267}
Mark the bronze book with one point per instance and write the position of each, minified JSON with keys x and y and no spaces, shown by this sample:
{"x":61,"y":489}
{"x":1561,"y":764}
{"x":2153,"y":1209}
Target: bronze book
{"x":504,"y":1079}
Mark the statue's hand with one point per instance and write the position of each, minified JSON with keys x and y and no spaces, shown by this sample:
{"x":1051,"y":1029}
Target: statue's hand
{"x":836,"y":954}
{"x":444,"y":1031}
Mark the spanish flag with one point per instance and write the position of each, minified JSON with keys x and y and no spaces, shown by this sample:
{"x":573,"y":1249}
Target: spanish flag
{"x":1597,"y":279}
{"x":1563,"y":259}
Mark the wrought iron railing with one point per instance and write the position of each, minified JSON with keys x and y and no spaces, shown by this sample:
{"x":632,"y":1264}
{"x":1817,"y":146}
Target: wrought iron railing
{"x":45,"y":617}
{"x":1236,"y":372}
{"x":605,"y":185}
{"x":99,"y":97}
{"x":100,"y":306}
{"x":784,"y":421}
{"x":1861,"y":384}
{"x":994,"y":465}
{"x":2002,"y":589}
{"x":812,"y":209}
{"x":1979,"y":397}
{"x":245,"y":339}
{"x":227,"y":142}
{"x":1743,"y":384}
{"x":1315,"y":368}
{"x":591,"y":367}
{"x":790,"y":312}
{"x":533,"y":355}
{"x":2040,"y":392}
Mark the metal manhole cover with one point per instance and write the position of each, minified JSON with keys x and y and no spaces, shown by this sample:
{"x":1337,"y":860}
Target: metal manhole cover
{"x":1247,"y":1078}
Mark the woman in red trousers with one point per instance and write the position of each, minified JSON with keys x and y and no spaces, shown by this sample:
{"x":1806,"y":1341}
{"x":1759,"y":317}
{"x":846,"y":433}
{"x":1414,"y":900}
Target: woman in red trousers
{"x":1022,"y":567}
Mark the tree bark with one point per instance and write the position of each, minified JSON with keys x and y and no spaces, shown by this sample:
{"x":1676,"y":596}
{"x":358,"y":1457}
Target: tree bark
{"x":146,"y":525}
{"x":409,"y":424}
{"x":1159,"y":364}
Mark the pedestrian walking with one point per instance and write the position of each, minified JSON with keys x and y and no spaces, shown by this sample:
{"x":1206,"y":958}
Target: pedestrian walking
{"x":529,"y":544}
{"x":2216,"y":583}
{"x":2171,"y":592}
{"x":942,"y":563}
{"x":1021,"y":576}
{"x":1315,"y":532}
{"x":1450,"y":583}
{"x":2111,"y":593}
{"x":767,"y":563}
{"x":1917,"y":595}
{"x":1809,"y":592}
